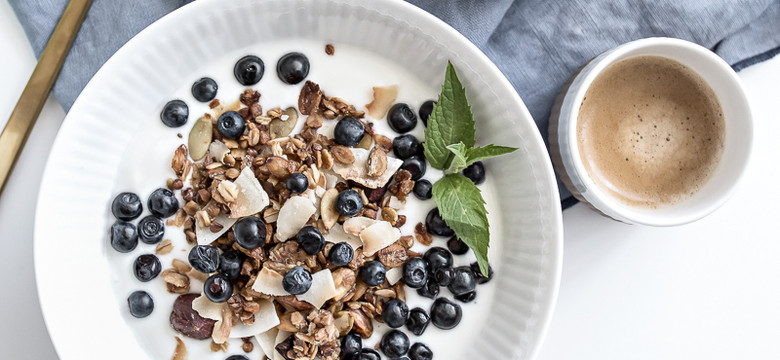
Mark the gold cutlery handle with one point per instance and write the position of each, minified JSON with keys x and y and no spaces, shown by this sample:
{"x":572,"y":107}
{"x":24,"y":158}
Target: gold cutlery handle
{"x":33,"y":97}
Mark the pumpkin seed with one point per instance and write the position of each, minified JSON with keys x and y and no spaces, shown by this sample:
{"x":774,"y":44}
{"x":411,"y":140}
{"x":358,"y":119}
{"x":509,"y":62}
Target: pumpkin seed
{"x":281,"y":128}
{"x":200,"y":138}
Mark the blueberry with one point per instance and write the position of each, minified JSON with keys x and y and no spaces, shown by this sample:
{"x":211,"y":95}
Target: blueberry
{"x":351,"y":345}
{"x":341,"y":254}
{"x":372,"y":273}
{"x":237,"y":357}
{"x":368,"y":354}
{"x":297,"y":281}
{"x":401,"y":118}
{"x":443,"y":276}
{"x":293,"y":67}
{"x":415,"y":272}
{"x":175,"y":113}
{"x":418,"y":321}
{"x":475,"y":172}
{"x":250,"y":232}
{"x":467,"y":297}
{"x":297,"y":183}
{"x":405,"y":146}
{"x":162,"y":203}
{"x":348,"y":131}
{"x":415,"y":165}
{"x":151,"y":229}
{"x":423,"y":189}
{"x":146,"y":267}
{"x":430,"y":290}
{"x":438,"y":257}
{"x":394,"y":344}
{"x":395,"y":313}
{"x":311,"y":240}
{"x":127,"y":206}
{"x":231,"y":125}
{"x":457,"y":246}
{"x":230,"y":264}
{"x":349,"y":202}
{"x":249,"y":70}
{"x":436,"y":225}
{"x":420,"y":352}
{"x":218,"y":288}
{"x":140,"y":304}
{"x":204,"y":89}
{"x":204,"y":258}
{"x":124,"y":236}
{"x":425,"y":111}
{"x":445,"y":314}
{"x":463,"y":281}
{"x":481,"y":279}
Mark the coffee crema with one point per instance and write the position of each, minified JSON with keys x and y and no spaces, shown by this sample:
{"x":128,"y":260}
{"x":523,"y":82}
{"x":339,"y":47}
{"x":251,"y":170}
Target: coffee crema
{"x":650,"y":131}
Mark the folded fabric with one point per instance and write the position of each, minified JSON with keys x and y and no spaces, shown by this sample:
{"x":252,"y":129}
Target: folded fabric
{"x":537,"y":44}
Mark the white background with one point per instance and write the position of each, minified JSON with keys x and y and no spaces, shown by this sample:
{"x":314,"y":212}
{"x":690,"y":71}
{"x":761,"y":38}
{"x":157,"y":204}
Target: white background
{"x":708,"y":290}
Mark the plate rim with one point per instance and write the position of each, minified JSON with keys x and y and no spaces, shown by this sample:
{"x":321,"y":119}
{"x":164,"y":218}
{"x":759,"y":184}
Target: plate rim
{"x":555,"y":250}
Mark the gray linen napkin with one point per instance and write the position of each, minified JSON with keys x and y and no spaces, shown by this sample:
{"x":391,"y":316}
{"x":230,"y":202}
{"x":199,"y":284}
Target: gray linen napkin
{"x":537,"y":44}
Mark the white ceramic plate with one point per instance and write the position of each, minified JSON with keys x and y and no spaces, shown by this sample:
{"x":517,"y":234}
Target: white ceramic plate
{"x":76,"y":281}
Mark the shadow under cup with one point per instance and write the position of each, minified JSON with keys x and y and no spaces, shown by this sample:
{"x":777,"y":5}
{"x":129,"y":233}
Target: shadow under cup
{"x":737,"y":145}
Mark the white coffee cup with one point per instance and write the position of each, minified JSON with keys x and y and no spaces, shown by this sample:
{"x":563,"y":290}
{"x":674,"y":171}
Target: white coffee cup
{"x":737,"y":143}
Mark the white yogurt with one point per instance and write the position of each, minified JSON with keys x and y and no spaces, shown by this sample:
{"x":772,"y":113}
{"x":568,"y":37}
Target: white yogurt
{"x":349,"y":74}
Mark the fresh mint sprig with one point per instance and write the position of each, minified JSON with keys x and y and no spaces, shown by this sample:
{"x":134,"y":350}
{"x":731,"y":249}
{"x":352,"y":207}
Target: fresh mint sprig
{"x":449,"y":146}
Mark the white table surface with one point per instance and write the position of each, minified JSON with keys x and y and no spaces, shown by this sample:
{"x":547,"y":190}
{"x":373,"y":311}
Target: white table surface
{"x":710,"y":289}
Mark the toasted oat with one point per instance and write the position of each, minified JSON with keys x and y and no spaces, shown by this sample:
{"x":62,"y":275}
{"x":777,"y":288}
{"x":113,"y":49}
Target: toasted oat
{"x":164,"y":247}
{"x":383,"y":142}
{"x":421,"y":234}
{"x":310,"y":98}
{"x":181,"y":266}
{"x":329,"y":49}
{"x":342,"y":154}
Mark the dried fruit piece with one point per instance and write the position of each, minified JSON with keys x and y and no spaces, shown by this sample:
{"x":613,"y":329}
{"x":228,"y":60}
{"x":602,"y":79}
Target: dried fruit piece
{"x":199,"y":140}
{"x":284,"y":125}
{"x":187,"y":321}
{"x":383,"y":97}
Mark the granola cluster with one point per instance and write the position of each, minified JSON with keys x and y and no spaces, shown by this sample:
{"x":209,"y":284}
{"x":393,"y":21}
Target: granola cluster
{"x":215,"y":195}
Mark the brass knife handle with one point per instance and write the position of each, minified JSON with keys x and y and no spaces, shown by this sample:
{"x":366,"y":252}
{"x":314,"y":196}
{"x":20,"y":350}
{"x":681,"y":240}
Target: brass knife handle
{"x":33,"y":97}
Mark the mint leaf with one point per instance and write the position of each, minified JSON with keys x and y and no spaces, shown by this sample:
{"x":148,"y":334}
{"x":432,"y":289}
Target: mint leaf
{"x":486,"y":152}
{"x":463,"y":209}
{"x":463,"y":157}
{"x":450,"y":122}
{"x":459,"y":160}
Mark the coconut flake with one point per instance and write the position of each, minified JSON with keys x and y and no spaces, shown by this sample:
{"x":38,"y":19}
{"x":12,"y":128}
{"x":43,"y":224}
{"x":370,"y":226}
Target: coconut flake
{"x":251,"y":197}
{"x":331,"y":180}
{"x":396,"y":203}
{"x":204,"y":234}
{"x":218,"y":150}
{"x":328,"y":129}
{"x":358,"y":173}
{"x":378,"y":236}
{"x":265,"y":319}
{"x":207,"y":308}
{"x":356,"y":225}
{"x":383,"y":97}
{"x":293,"y":215}
{"x":394,"y":274}
{"x":269,"y":282}
{"x":267,"y":341}
{"x":322,"y":289}
{"x":337,"y":235}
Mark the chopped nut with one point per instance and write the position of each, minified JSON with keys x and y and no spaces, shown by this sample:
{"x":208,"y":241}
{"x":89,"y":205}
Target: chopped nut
{"x":164,"y":247}
{"x":383,"y":142}
{"x":407,"y":241}
{"x":232,"y":173}
{"x":327,"y":159}
{"x":377,"y":163}
{"x":178,"y":219}
{"x":191,"y":207}
{"x":393,"y":256}
{"x":328,"y":211}
{"x":421,"y":234}
{"x":314,"y":121}
{"x":329,"y":49}
{"x":342,"y":154}
{"x":390,"y":215}
{"x":203,"y":219}
{"x":228,"y":190}
{"x":383,"y":97}
{"x":177,"y":283}
{"x":218,"y":347}
{"x":181,"y":266}
{"x":181,"y":163}
{"x":388,"y":293}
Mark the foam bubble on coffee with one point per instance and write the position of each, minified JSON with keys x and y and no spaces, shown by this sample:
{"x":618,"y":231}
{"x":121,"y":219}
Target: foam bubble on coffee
{"x":650,"y":131}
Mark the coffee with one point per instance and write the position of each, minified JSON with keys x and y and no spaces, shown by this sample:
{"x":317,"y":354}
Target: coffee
{"x":650,"y":131}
